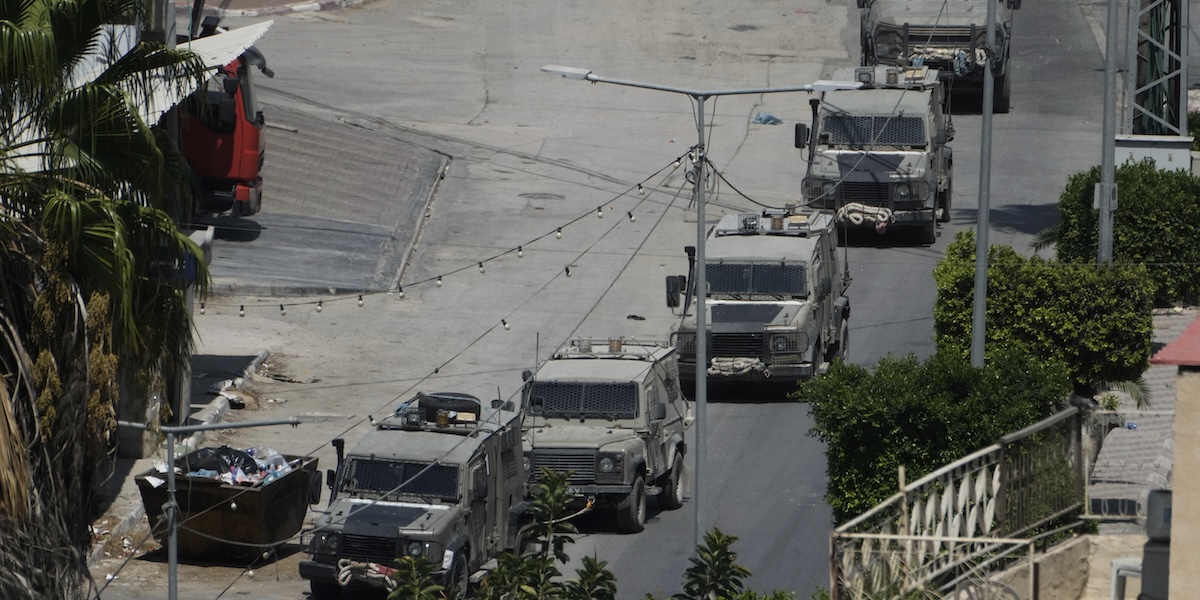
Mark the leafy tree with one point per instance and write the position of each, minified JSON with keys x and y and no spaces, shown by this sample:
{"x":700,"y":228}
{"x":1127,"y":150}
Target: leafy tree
{"x":1155,"y":224}
{"x":1094,"y":320}
{"x":921,"y":415}
{"x":714,"y":574}
{"x":89,"y":195}
{"x":414,"y":580}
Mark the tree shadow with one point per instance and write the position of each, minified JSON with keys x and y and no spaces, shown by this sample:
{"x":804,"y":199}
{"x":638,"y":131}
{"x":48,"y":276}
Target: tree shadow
{"x":1029,"y":219}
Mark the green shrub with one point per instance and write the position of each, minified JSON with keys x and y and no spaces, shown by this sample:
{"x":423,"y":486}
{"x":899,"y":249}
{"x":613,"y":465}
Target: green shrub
{"x":1157,"y":217}
{"x":1194,"y":129}
{"x":1094,"y":320}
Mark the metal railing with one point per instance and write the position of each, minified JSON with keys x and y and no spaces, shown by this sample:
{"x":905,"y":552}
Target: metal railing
{"x":969,"y":518}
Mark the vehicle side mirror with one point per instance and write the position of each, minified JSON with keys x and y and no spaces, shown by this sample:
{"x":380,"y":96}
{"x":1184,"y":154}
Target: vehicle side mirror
{"x":526,"y":375}
{"x":660,"y":411}
{"x":939,"y":137}
{"x":330,"y":478}
{"x":227,"y":111}
{"x":862,"y":3}
{"x":501,"y":404}
{"x":675,"y":286}
{"x":1013,"y":4}
{"x":314,"y":487}
{"x":801,"y":135}
{"x":231,"y":85}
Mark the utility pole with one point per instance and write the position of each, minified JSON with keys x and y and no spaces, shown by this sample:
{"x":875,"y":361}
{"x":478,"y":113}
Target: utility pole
{"x":1106,"y":190}
{"x":699,"y":497}
{"x":982,"y":245}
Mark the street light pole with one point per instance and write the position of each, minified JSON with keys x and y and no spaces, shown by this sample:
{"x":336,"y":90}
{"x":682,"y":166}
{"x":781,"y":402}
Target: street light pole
{"x":982,"y":245}
{"x":171,"y":508}
{"x":698,"y":497}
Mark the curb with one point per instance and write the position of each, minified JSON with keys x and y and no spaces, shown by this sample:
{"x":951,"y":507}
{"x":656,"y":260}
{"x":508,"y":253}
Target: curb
{"x":314,"y":6}
{"x":213,"y":413}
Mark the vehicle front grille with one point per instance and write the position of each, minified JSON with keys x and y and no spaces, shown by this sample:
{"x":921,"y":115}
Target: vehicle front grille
{"x":939,"y":36}
{"x":737,"y":344}
{"x":369,"y":548}
{"x":865,"y":192}
{"x":581,"y":463}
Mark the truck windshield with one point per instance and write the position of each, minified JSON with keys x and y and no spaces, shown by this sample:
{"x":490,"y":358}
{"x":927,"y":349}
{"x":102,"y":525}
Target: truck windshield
{"x":553,"y":399}
{"x":756,"y":278}
{"x":393,"y":479}
{"x":863,"y":132}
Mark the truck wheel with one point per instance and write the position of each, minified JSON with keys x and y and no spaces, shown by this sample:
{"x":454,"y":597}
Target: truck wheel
{"x":945,"y":200}
{"x":457,"y":576}
{"x":671,"y":496}
{"x":929,"y":231}
{"x":631,"y":512}
{"x":322,"y":590}
{"x":838,"y":349}
{"x":1003,"y":94}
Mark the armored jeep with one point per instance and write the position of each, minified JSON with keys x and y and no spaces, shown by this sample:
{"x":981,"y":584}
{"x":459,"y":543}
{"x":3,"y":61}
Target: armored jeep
{"x":440,"y":479}
{"x":610,"y":412}
{"x":776,"y":299}
{"x":878,"y":155}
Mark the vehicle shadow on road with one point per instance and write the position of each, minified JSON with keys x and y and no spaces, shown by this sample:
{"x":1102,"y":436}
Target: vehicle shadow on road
{"x":248,"y":559}
{"x":747,"y":393}
{"x":893,"y":237}
{"x":604,"y":520}
{"x":232,"y":229}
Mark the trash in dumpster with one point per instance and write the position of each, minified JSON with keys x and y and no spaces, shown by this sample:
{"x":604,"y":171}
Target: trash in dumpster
{"x":250,"y":466}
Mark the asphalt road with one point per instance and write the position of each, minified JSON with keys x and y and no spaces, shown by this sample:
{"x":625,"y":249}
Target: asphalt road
{"x":528,"y":153}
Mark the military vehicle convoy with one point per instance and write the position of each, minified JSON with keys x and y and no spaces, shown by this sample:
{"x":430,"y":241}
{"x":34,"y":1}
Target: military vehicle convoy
{"x":776,"y":300}
{"x":441,"y":479}
{"x":610,"y":412}
{"x":878,"y":155}
{"x":948,"y":36}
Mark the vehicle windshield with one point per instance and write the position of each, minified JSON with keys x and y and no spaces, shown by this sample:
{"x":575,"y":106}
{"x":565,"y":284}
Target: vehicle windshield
{"x":556,"y":399}
{"x":394,"y":479}
{"x":865,"y":132}
{"x":756,"y":278}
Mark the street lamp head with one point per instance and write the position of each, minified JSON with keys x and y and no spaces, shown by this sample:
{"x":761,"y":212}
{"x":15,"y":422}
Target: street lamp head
{"x":568,"y":72}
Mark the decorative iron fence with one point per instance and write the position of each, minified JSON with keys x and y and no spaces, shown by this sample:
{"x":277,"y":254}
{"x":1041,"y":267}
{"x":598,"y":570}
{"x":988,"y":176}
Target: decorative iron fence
{"x":967,"y":519}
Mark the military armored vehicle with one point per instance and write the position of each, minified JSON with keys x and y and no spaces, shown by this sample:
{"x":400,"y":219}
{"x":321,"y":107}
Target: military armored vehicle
{"x":610,"y":412}
{"x":776,"y":301}
{"x":878,"y":155}
{"x":950,"y":37}
{"x":441,"y":479}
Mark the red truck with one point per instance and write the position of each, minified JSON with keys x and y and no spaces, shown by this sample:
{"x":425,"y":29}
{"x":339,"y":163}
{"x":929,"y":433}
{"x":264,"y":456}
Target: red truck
{"x":224,"y":145}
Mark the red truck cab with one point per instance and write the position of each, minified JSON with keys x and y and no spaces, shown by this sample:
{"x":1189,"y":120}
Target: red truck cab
{"x":224,"y":145}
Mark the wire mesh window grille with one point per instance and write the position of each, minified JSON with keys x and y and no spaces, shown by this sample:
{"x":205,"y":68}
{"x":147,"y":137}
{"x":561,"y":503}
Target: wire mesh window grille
{"x":861,"y":131}
{"x":578,"y":400}
{"x":390,"y":479}
{"x":756,"y":278}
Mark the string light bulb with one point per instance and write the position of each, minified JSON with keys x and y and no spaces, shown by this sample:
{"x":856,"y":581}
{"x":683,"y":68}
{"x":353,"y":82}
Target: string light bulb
{"x":282,"y":311}
{"x":242,"y":310}
{"x":439,"y":281}
{"x":520,"y":252}
{"x":360,"y":300}
{"x":400,"y":291}
{"x":599,"y":212}
{"x":632,"y":219}
{"x":641,"y":190}
{"x":675,"y":165}
{"x":568,"y":271}
{"x":558,"y":234}
{"x":505,"y":324}
{"x":201,"y":308}
{"x":481,"y":269}
{"x":320,"y":305}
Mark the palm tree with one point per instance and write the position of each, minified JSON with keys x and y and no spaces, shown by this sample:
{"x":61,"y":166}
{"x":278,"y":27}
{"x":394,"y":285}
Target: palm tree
{"x":93,"y":269}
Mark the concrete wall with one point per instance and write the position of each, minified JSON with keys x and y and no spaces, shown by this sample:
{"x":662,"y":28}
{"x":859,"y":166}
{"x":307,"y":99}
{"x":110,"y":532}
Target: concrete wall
{"x":1062,"y":573}
{"x":1185,"y":503}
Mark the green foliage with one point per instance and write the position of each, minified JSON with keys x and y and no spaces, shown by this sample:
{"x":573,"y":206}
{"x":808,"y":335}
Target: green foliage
{"x":1194,"y":129}
{"x":1155,"y":224}
{"x":414,"y":580}
{"x":595,"y":581}
{"x":1094,"y":320}
{"x":921,"y":415}
{"x":714,"y":573}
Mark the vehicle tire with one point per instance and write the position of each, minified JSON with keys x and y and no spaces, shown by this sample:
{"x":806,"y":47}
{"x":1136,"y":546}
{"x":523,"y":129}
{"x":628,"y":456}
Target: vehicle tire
{"x":818,"y":357}
{"x":323,"y":590}
{"x":671,"y":496}
{"x":946,"y":198}
{"x":1003,"y":94}
{"x":929,"y":232}
{"x":457,"y":578}
{"x":631,"y":512}
{"x":838,"y":349}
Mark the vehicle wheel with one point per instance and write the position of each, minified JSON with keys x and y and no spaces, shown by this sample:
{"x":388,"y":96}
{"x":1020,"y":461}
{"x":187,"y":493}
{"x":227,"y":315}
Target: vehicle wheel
{"x":671,"y":496}
{"x":929,"y":231}
{"x":631,"y":512}
{"x":322,"y":590}
{"x":818,"y":356}
{"x":457,"y":576}
{"x":838,"y":349}
{"x":1003,"y":94}
{"x":945,"y":200}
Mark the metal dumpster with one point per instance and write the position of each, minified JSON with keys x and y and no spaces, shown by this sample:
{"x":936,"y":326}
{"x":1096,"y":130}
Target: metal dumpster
{"x":218,"y":519}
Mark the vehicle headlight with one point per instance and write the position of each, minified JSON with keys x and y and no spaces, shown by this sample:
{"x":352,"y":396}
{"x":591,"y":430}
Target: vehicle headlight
{"x":792,"y":341}
{"x":889,"y":43}
{"x":414,"y":548}
{"x":528,"y":461}
{"x":325,"y":543}
{"x":903,"y":191}
{"x":819,"y":189}
{"x":607,"y":465}
{"x":685,"y":343}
